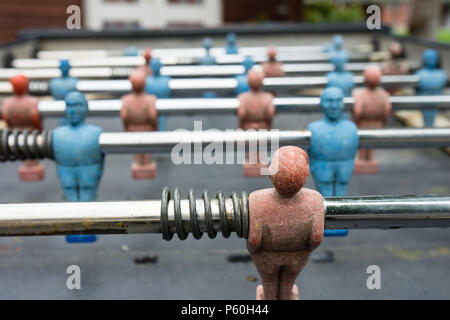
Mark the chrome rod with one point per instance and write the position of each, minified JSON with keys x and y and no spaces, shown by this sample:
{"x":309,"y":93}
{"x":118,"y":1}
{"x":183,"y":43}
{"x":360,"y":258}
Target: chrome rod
{"x":178,"y":71}
{"x":188,"y":52}
{"x":134,"y":61}
{"x":224,"y":105}
{"x":128,"y":217}
{"x":141,"y":142}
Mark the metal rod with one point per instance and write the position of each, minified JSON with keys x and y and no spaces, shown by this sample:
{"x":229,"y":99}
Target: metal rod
{"x":135,"y":61}
{"x":292,"y":83}
{"x":218,"y":84}
{"x":127,"y":217}
{"x":16,"y":145}
{"x":219,"y":105}
{"x":190,"y":52}
{"x":179,"y":71}
{"x":142,"y":142}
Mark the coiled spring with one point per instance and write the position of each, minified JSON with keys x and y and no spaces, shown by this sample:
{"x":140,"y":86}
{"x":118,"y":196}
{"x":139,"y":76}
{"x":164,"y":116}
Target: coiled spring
{"x":237,"y":223}
{"x":25,"y":145}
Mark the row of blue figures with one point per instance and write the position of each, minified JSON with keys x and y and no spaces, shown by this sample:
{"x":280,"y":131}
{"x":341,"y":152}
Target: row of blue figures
{"x":335,"y":47}
{"x":78,"y":156}
{"x":334,"y":144}
{"x":60,"y":87}
{"x":158,"y":85}
{"x":432,"y":81}
{"x":208,"y":60}
{"x":241,"y":79}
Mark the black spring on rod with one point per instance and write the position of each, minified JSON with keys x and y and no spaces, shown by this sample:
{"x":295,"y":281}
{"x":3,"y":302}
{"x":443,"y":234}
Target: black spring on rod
{"x":239,"y":222}
{"x":25,"y":145}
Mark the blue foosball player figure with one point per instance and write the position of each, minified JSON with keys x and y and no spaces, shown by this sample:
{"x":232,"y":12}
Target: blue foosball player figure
{"x":231,"y":47}
{"x":339,"y":77}
{"x":336,"y":46}
{"x":334,"y":144}
{"x":432,"y":81}
{"x":78,"y":156}
{"x":242,"y":82}
{"x":207,"y":59}
{"x":158,"y":85}
{"x":60,"y":87}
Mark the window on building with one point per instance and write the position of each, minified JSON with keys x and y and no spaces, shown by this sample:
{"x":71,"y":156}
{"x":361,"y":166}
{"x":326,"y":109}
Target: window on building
{"x":185,"y":1}
{"x":108,"y":25}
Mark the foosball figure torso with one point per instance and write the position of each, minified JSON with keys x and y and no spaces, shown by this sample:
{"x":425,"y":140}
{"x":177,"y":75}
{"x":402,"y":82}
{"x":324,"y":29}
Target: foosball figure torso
{"x":286,"y":225}
{"x":255,"y":112}
{"x":272,"y":68}
{"x":139,"y":113}
{"x":21,"y":112}
{"x":339,"y":77}
{"x":371,"y":109}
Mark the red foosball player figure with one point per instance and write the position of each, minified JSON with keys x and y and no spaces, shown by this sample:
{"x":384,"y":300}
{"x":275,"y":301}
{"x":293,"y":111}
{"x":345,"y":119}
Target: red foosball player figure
{"x":21,"y":112}
{"x":256,"y":111}
{"x":139,"y":113}
{"x":146,"y":67}
{"x":371,"y":110}
{"x":286,"y":225}
{"x":272,"y":68}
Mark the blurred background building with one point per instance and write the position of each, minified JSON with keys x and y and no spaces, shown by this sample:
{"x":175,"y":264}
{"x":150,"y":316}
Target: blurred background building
{"x":417,"y":17}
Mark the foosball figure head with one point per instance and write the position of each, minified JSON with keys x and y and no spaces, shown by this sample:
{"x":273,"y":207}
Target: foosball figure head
{"x":430,"y":59}
{"x":139,"y":113}
{"x":21,"y":112}
{"x":286,"y":224}
{"x":272,"y":53}
{"x":64,"y":66}
{"x":332,"y":103}
{"x":396,"y":50}
{"x":137,"y":79}
{"x":20,"y":84}
{"x":372,"y":77}
{"x":255,"y":79}
{"x":255,"y":112}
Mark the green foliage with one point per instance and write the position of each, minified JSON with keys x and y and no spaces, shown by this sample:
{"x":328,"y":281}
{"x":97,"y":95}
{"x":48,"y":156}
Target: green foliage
{"x":326,"y":11}
{"x":444,"y":35}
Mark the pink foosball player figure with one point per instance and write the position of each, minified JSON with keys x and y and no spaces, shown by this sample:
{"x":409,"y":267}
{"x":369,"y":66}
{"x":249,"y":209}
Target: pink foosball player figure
{"x":286,"y":225}
{"x":139,"y":113}
{"x":256,"y":111}
{"x":272,"y":68}
{"x":370,"y":111}
{"x":146,"y":67}
{"x":21,"y":112}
